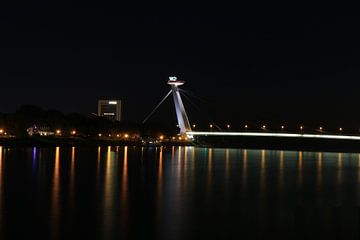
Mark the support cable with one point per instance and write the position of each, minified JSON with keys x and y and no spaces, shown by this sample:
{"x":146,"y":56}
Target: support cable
{"x":157,"y":106}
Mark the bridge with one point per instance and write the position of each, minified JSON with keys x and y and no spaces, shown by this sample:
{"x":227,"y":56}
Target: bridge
{"x":186,"y":131}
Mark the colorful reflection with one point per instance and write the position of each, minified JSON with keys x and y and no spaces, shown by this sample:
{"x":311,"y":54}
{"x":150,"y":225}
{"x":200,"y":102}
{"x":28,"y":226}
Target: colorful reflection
{"x":1,"y":188}
{"x":55,"y":198}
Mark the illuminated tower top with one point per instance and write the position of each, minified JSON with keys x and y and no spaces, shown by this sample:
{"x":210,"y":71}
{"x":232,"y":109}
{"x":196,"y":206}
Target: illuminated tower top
{"x":174,"y":82}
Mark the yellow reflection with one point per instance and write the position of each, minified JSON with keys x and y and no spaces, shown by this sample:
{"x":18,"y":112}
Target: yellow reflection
{"x":339,"y":175}
{"x":193,"y":161}
{"x":227,"y":159}
{"x":358,"y":176}
{"x":210,"y":156}
{"x":319,"y":169}
{"x":300,"y":169}
{"x":160,"y":174}
{"x":124,"y":182}
{"x":263,"y":172}
{"x":1,"y":186}
{"x":72,"y":175}
{"x":244,"y":170}
{"x":281,"y":170}
{"x":55,"y":208}
{"x":108,"y":198}
{"x":179,"y":166}
{"x":339,"y":178}
{"x":185,"y":164}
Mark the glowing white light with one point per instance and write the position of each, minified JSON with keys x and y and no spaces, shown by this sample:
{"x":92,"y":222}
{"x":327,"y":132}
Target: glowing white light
{"x":113,"y":102}
{"x":109,"y":114}
{"x":172,"y":78}
{"x":264,"y":134}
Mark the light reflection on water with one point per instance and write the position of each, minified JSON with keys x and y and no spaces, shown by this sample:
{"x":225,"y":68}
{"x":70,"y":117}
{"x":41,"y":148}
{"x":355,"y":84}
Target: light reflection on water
{"x":112,"y":192}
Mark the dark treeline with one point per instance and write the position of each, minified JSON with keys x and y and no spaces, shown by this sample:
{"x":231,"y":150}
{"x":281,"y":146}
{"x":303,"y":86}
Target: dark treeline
{"x":90,"y":125}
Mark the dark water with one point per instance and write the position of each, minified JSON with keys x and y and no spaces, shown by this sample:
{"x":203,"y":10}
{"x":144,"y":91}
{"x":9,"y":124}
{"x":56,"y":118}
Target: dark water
{"x":177,"y":193}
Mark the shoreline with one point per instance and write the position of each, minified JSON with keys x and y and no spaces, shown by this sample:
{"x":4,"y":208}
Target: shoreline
{"x":269,"y":143}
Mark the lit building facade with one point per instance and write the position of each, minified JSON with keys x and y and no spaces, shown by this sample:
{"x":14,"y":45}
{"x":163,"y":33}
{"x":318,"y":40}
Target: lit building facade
{"x":110,"y":109}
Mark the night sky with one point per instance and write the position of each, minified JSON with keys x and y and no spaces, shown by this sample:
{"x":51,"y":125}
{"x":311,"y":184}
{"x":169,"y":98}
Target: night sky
{"x":245,"y":65}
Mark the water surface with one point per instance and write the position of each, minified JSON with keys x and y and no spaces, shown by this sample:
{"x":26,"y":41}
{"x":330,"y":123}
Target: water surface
{"x":177,"y":193}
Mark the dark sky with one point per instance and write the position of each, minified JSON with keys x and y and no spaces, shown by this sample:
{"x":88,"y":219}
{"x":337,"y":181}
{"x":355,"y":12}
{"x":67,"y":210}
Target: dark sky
{"x":244,"y":63}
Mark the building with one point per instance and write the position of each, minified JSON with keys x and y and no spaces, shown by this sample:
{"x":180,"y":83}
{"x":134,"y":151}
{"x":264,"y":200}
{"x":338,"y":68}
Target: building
{"x":110,"y":109}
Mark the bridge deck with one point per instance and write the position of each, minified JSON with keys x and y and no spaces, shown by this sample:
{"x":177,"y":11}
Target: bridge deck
{"x":268,"y":134}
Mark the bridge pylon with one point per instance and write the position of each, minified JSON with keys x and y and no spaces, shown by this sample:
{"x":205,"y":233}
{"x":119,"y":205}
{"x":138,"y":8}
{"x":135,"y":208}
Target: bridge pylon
{"x":181,"y":115}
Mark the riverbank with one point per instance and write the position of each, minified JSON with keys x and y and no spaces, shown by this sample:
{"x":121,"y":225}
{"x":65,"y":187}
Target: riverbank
{"x":76,"y":141}
{"x":271,"y":143}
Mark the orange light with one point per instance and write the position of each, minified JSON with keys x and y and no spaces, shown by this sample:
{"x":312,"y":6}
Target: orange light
{"x":1,"y":131}
{"x":73,"y":132}
{"x":161,"y":137}
{"x":126,"y":135}
{"x":58,"y":131}
{"x":117,"y":135}
{"x":180,"y":138}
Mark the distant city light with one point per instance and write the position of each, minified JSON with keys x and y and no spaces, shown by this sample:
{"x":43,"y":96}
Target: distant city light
{"x":246,"y":126}
{"x":320,"y":128}
{"x":211,"y":126}
{"x":161,"y":137}
{"x":301,"y":128}
{"x":100,"y":134}
{"x":109,"y":135}
{"x":228,"y":126}
{"x":73,"y":132}
{"x":194,"y":126}
{"x":180,"y":138}
{"x":1,"y":131}
{"x":282,"y":127}
{"x":340,"y":129}
{"x":263,"y":127}
{"x":126,"y":135}
{"x":117,"y":135}
{"x":58,"y":131}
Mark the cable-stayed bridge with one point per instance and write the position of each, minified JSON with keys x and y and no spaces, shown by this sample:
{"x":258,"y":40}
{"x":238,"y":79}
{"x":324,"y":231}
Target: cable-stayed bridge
{"x":186,"y":131}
